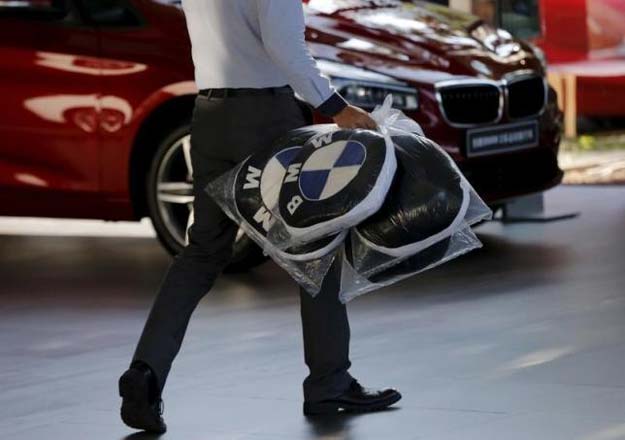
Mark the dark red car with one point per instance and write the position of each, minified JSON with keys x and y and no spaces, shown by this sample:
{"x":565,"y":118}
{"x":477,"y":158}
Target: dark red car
{"x":97,"y":98}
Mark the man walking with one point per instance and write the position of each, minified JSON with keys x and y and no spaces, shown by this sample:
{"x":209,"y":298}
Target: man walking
{"x":249,"y":55}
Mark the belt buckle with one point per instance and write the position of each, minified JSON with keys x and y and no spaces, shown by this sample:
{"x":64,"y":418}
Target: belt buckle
{"x":213,"y":93}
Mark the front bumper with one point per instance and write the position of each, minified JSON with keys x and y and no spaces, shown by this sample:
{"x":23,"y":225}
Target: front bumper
{"x":506,"y":176}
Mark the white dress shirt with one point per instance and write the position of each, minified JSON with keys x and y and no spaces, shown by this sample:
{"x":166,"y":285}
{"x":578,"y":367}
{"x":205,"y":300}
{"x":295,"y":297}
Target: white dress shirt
{"x":256,"y":44}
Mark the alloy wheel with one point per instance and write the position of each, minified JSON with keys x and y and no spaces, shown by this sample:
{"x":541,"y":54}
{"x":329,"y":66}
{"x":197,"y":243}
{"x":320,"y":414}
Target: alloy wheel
{"x":174,"y":189}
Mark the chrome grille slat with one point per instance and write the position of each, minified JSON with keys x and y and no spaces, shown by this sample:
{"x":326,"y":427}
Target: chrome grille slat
{"x":526,"y":96}
{"x":472,"y":102}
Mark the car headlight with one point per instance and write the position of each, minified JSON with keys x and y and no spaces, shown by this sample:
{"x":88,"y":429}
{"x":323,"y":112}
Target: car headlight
{"x":367,"y":89}
{"x":368,"y":95}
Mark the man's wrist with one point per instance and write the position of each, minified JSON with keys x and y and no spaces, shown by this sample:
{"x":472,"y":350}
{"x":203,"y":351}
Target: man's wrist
{"x":332,"y":106}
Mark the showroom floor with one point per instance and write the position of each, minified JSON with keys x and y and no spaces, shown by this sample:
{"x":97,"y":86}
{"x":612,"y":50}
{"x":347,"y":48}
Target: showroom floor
{"x":524,"y":339}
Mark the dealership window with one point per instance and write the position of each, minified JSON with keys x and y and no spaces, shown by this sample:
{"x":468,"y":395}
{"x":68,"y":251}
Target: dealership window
{"x":520,"y":17}
{"x":485,"y":9}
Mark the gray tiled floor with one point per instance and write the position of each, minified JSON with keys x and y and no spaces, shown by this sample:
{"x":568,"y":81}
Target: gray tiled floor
{"x":524,"y":339}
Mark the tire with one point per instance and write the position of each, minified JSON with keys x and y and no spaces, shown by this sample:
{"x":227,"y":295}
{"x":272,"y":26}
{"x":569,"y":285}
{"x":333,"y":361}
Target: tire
{"x":170,"y":200}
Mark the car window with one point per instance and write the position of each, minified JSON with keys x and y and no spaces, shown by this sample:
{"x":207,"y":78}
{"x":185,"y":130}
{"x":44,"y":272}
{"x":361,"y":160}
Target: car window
{"x":114,"y":13}
{"x":35,"y":9}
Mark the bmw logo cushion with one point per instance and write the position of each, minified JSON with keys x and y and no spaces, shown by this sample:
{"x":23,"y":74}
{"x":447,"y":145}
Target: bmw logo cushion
{"x":427,"y":201}
{"x":334,"y":182}
{"x":257,"y":187}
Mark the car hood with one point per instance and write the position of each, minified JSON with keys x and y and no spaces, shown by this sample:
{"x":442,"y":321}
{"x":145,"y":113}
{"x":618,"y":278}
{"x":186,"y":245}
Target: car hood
{"x":394,"y":37}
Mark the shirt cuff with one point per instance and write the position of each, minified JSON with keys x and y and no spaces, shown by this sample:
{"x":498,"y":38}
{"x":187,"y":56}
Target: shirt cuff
{"x":332,"y":106}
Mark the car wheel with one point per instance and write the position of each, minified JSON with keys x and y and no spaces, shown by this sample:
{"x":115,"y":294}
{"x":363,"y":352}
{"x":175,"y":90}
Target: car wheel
{"x":170,"y":201}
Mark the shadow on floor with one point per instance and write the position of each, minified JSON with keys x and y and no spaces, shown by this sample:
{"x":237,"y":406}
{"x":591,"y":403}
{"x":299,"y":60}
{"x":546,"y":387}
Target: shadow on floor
{"x":338,"y":426}
{"x":501,"y":266}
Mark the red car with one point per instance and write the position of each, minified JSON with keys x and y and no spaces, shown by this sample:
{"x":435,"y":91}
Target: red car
{"x":97,"y":98}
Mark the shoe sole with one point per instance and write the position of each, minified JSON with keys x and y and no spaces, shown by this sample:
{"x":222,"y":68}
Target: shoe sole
{"x":134,"y":390}
{"x":324,"y":408}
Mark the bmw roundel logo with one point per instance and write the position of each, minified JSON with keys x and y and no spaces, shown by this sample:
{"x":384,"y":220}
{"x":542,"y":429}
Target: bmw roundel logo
{"x":330,"y":169}
{"x":258,"y":186}
{"x":330,"y":176}
{"x":272,"y":176}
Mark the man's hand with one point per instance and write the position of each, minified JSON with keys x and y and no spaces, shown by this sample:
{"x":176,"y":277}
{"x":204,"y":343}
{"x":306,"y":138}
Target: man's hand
{"x":354,"y":117}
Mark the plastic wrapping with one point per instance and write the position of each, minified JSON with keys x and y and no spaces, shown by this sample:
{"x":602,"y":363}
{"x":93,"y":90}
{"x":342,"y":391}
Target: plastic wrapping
{"x":429,"y":200}
{"x":425,"y":219}
{"x":354,"y":283}
{"x":389,"y":204}
{"x":248,"y":193}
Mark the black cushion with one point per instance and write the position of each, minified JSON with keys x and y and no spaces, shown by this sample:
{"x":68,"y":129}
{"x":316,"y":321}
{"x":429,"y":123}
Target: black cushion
{"x":330,"y":178}
{"x":426,"y":197}
{"x":257,"y":186}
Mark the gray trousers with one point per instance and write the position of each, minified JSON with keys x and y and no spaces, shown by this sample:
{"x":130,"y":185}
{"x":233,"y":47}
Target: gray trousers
{"x":224,"y":131}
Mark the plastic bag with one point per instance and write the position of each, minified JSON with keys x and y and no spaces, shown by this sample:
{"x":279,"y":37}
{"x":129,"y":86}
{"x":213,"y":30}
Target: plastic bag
{"x":425,"y":220}
{"x":298,"y":198}
{"x":354,"y":284}
{"x":247,"y":194}
{"x":381,"y":237}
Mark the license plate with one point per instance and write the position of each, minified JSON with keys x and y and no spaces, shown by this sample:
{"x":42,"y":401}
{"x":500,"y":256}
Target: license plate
{"x":499,"y":138}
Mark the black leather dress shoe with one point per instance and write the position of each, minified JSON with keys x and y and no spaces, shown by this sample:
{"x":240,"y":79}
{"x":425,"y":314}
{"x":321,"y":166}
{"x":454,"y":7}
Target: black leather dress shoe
{"x":142,"y":407}
{"x":355,"y":399}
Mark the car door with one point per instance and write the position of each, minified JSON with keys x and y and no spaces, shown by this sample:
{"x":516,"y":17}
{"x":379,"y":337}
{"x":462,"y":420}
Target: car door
{"x":49,"y":94}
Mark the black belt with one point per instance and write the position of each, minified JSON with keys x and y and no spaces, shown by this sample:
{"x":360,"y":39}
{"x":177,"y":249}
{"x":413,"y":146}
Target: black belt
{"x":230,"y":93}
